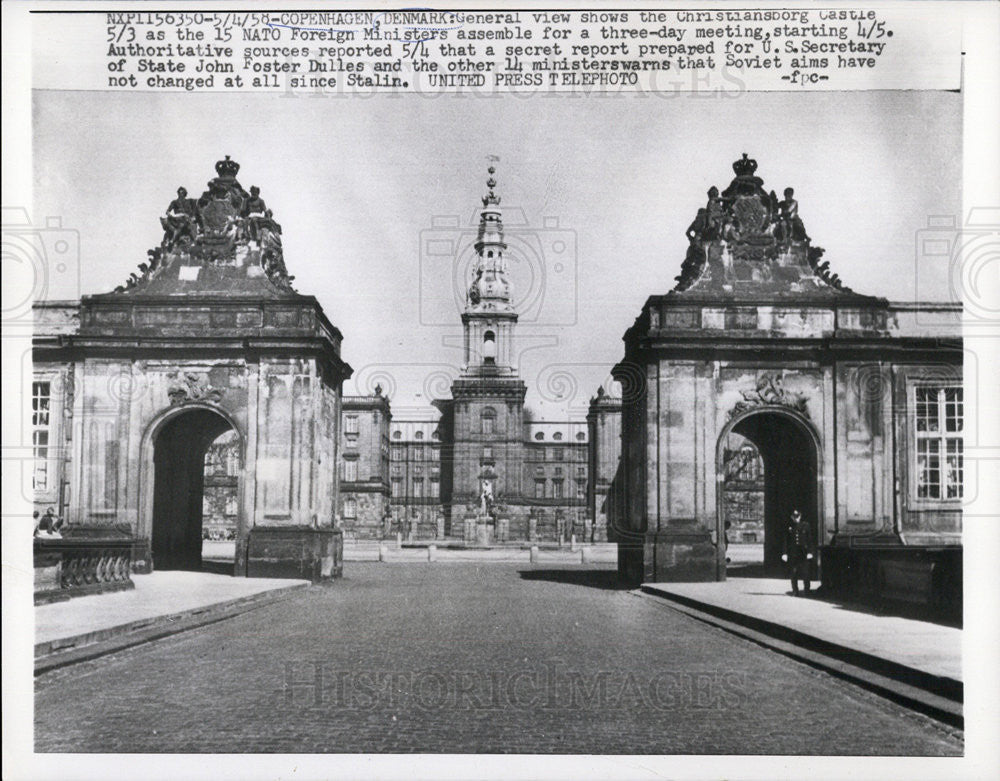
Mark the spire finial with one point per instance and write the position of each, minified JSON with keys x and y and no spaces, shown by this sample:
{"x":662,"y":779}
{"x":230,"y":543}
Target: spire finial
{"x":491,"y":197}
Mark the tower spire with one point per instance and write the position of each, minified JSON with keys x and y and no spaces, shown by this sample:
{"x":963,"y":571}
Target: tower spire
{"x":490,"y":288}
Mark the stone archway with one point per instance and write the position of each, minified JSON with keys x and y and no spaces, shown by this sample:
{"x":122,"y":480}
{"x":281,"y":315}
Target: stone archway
{"x":789,"y":449}
{"x":178,"y":463}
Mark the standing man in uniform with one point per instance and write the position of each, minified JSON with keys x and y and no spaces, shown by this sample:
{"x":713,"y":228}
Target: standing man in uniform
{"x":798,"y":551}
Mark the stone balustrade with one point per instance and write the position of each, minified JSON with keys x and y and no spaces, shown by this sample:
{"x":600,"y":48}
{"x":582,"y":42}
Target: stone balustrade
{"x":82,"y":561}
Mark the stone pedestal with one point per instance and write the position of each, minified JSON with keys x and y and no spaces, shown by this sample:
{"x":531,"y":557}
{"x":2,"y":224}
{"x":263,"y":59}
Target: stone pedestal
{"x":533,"y":529}
{"x":503,"y":530}
{"x":685,"y":557}
{"x":469,"y":531}
{"x":295,"y":552}
{"x":482,"y":534}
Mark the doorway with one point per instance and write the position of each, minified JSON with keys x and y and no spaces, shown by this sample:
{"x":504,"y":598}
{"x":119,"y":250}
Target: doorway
{"x":768,"y":461}
{"x":195,"y":474}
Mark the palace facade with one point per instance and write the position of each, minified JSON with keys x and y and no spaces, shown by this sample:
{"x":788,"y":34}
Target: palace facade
{"x":480,"y":445}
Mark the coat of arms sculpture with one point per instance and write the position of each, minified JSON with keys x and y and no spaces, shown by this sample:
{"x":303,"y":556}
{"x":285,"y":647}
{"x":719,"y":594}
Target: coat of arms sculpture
{"x":747,"y":236}
{"x":225,"y":226}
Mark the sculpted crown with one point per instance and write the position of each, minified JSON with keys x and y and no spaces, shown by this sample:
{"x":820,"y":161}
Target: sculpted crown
{"x":745,"y":166}
{"x":227,"y":168}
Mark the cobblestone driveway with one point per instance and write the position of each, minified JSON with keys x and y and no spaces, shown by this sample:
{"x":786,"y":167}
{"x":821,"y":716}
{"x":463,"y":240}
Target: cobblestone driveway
{"x":467,"y":658}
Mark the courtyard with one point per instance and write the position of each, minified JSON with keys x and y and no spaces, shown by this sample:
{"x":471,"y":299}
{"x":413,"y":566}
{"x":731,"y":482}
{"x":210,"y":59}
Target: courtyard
{"x":504,"y":657}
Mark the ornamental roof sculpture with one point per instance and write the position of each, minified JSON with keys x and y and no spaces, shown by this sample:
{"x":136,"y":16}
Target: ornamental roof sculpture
{"x":747,"y":242}
{"x":225,"y":241}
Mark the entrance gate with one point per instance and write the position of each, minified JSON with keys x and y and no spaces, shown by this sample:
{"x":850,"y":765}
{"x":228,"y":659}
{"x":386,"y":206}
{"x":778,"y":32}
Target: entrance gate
{"x":789,"y":452}
{"x":179,"y":486}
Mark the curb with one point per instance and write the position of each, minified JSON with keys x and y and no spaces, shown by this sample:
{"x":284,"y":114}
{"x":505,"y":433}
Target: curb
{"x":939,"y":697}
{"x":53,"y":654}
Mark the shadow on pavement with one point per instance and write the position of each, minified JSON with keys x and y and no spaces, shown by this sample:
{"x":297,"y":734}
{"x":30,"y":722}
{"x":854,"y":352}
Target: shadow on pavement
{"x":752,"y":570}
{"x":898,"y":609}
{"x":894,"y":608}
{"x":591,"y":578}
{"x":217,"y":566}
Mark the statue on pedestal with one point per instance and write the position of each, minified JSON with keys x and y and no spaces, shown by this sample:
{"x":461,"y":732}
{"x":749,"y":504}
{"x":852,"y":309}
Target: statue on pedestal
{"x":790,"y":227}
{"x":254,"y":211}
{"x":180,"y":221}
{"x":486,"y":502}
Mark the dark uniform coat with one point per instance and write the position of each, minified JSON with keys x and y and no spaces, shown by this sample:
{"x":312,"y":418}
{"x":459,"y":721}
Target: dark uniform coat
{"x":798,"y":542}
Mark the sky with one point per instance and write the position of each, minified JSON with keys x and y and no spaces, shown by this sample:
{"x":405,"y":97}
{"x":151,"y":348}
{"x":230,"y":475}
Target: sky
{"x":597,"y":193}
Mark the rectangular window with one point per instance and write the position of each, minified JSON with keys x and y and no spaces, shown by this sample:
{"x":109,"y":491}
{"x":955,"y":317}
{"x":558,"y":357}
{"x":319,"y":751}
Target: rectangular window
{"x":418,"y":487}
{"x":557,"y":489}
{"x":41,"y":405}
{"x":539,"y":489}
{"x":487,"y":452}
{"x":397,"y":486}
{"x":397,"y":453}
{"x":351,"y":424}
{"x":435,"y":454}
{"x":938,"y":422}
{"x":558,"y":454}
{"x":350,"y":508}
{"x":488,"y":421}
{"x":350,"y":470}
{"x":418,"y":453}
{"x":435,"y":488}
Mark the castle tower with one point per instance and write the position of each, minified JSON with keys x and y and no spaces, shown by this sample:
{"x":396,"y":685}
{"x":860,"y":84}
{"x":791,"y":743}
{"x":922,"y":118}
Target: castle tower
{"x":489,"y":317}
{"x":488,"y":397}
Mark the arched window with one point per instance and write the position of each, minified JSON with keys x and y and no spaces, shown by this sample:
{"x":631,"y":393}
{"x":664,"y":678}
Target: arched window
{"x":581,"y":436}
{"x":489,"y":347}
{"x":540,"y":436}
{"x":418,"y":435}
{"x":397,"y":434}
{"x":488,"y":420}
{"x":557,"y":436}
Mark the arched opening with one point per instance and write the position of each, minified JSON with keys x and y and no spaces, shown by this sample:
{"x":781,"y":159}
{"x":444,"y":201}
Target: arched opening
{"x":489,"y":347}
{"x":488,"y":419}
{"x":769,"y":466}
{"x":196,"y":467}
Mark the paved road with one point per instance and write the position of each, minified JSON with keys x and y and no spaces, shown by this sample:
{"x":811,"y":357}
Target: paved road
{"x":467,"y":658}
